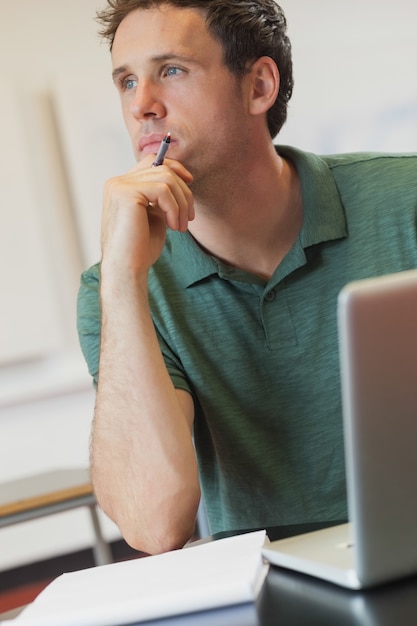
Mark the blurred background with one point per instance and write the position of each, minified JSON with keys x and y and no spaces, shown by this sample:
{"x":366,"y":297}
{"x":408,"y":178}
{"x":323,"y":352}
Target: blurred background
{"x":61,"y":136}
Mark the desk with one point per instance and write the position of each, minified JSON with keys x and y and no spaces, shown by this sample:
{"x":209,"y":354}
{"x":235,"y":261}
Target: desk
{"x":291,"y":599}
{"x":48,"y":493}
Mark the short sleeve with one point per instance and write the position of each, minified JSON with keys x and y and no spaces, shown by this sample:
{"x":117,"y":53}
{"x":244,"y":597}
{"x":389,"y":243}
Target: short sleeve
{"x":89,"y":319}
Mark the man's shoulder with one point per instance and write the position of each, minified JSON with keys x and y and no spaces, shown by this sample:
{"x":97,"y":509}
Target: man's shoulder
{"x":368,"y":160}
{"x":390,"y":178}
{"x":352,"y":166}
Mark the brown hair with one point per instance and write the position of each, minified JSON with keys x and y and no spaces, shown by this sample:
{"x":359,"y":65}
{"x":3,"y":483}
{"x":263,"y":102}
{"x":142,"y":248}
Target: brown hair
{"x":247,"y":30}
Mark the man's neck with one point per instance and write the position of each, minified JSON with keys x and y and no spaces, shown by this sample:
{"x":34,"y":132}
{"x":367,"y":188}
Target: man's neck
{"x":254,"y":219}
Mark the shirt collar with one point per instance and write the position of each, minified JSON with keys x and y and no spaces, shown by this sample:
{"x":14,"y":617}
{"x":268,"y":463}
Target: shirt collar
{"x":324,"y":215}
{"x":324,"y":219}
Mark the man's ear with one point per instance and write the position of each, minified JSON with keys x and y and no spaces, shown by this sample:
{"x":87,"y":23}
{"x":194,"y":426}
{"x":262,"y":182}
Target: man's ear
{"x":264,"y":85}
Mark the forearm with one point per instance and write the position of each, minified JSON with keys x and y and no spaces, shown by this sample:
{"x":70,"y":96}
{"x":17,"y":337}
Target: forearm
{"x":144,"y":468}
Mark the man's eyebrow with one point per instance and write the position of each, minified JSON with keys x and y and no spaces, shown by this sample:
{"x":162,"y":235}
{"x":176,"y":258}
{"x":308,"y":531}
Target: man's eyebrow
{"x":118,"y":71}
{"x":156,"y":59}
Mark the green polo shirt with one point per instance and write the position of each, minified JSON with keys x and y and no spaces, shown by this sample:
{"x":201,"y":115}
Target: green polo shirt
{"x":261,"y":358}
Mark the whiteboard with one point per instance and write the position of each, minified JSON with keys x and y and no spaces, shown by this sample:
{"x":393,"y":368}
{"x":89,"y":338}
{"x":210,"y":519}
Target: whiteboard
{"x":29,"y":317}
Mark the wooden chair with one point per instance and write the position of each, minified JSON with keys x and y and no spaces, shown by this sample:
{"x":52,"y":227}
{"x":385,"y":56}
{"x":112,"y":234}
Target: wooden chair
{"x":48,"y":493}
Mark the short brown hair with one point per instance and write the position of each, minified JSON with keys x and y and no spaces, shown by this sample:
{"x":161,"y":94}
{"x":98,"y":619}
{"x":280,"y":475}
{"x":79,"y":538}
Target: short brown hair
{"x":247,"y":30}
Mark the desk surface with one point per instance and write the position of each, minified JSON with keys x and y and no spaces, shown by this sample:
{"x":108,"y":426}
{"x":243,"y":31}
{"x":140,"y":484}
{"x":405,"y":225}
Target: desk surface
{"x":45,"y":489}
{"x":292,"y":599}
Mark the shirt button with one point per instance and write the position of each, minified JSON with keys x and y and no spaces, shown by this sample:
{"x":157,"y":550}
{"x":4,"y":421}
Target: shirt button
{"x":270,"y":296}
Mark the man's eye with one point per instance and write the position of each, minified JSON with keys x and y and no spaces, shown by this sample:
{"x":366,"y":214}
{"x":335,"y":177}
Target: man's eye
{"x":172,"y":71}
{"x":129,"y":83}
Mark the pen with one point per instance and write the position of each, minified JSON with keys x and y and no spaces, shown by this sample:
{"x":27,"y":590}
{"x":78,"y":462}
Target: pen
{"x":159,"y":159}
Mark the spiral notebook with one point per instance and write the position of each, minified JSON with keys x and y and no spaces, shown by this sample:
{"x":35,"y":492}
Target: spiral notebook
{"x":377,"y":320}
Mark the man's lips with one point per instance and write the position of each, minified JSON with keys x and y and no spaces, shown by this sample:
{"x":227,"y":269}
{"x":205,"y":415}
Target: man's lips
{"x":150,"y":143}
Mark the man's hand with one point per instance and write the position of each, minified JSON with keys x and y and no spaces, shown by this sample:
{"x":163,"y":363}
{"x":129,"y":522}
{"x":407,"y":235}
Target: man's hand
{"x":137,"y":208}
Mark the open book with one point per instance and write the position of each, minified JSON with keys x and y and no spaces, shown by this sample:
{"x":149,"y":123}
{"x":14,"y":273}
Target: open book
{"x":209,"y":575}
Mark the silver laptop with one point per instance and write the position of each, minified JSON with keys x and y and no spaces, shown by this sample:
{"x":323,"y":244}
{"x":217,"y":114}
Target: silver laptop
{"x":377,"y":320}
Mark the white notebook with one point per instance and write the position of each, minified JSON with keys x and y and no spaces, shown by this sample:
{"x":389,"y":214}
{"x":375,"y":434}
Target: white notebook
{"x":378,"y":359}
{"x":211,"y":575}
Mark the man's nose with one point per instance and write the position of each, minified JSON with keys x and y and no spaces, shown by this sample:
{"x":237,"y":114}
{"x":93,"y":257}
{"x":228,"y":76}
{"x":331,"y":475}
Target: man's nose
{"x":147,"y":101}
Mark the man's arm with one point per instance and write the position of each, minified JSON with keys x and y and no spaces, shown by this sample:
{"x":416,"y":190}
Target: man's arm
{"x":144,"y":468}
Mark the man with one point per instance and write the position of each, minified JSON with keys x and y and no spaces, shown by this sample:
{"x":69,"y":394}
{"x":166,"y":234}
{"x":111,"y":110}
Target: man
{"x":211,"y":320}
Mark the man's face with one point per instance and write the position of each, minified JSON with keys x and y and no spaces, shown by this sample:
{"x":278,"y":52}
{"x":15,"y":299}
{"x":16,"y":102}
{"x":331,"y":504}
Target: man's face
{"x":171,"y":78}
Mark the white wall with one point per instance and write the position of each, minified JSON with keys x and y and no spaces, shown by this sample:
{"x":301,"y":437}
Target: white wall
{"x":355,"y":75}
{"x":61,"y":136}
{"x":46,"y":398}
